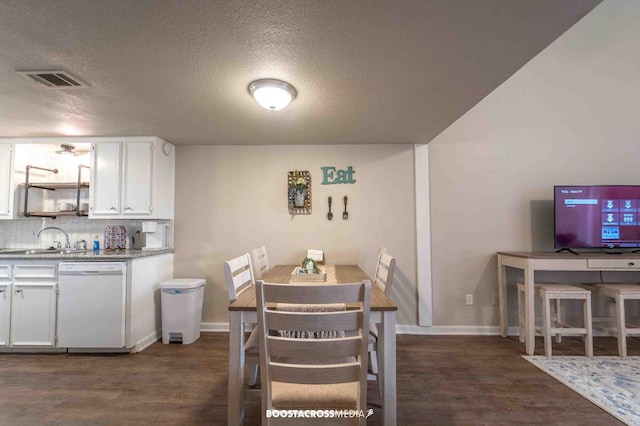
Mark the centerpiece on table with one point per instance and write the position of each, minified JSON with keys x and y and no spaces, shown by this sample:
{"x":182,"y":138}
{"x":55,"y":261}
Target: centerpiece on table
{"x":309,"y":271}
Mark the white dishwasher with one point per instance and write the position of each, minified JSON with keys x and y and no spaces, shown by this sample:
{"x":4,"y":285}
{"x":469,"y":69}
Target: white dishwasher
{"x":91,"y":304}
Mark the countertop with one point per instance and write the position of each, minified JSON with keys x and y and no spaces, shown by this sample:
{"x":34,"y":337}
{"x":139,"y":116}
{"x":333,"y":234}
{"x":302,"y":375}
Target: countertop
{"x":85,"y":255}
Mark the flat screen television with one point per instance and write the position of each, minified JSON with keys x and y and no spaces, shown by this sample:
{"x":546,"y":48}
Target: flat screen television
{"x":597,"y":216}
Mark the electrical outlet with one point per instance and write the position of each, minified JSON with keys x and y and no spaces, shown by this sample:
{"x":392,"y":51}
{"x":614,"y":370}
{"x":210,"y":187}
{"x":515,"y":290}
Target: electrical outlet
{"x":495,"y":300}
{"x":469,"y":299}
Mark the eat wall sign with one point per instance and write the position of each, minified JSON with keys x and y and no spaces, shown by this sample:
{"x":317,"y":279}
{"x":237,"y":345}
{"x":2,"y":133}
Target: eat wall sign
{"x":332,"y":176}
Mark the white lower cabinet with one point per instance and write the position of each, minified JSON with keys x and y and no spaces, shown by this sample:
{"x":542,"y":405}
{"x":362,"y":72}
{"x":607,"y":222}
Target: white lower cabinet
{"x":33,"y":314}
{"x":28,"y":301}
{"x":5,"y":313}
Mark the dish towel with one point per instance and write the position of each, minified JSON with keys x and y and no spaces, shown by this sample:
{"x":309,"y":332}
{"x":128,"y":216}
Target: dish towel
{"x":292,"y":307}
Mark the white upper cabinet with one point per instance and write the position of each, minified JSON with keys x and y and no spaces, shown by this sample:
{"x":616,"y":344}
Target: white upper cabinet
{"x":132,"y":178}
{"x":137,"y":186}
{"x":104,"y":197}
{"x":6,"y":181}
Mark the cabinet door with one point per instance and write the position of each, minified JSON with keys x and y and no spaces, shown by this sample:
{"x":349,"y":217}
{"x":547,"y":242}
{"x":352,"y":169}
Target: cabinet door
{"x":138,"y":170}
{"x":105,"y":179}
{"x":5,"y":181}
{"x":5,"y":313}
{"x":33,"y":314}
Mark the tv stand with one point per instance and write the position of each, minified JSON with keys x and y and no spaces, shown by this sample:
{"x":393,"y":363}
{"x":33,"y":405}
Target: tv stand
{"x":569,"y":250}
{"x":529,"y":263}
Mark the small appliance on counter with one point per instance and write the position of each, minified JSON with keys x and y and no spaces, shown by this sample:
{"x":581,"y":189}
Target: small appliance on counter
{"x":156,"y":235}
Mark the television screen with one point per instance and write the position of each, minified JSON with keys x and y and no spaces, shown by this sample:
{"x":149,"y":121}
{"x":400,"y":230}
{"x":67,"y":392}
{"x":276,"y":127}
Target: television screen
{"x":598,"y":216}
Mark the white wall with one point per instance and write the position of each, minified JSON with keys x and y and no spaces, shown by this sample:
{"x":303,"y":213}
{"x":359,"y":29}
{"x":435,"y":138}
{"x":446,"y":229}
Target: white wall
{"x":231,"y":199}
{"x":570,"y":116}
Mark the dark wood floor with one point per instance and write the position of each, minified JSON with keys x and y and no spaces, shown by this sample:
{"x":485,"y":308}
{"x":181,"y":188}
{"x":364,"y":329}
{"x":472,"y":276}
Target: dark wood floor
{"x":442,"y":380}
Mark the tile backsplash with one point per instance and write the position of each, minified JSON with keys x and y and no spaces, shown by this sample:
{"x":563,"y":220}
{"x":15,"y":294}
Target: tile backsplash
{"x":22,"y":233}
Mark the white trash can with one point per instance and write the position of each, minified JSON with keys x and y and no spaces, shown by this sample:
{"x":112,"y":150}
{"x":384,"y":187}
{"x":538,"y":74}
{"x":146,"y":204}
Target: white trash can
{"x":181,"y":303}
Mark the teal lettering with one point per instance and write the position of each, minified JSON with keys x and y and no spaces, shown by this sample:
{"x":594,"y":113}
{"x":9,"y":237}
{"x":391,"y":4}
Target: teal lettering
{"x":332,"y":176}
{"x":350,"y":173}
{"x":327,"y":174}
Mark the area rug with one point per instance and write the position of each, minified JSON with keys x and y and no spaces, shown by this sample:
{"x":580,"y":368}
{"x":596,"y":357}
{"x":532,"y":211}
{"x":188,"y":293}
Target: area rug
{"x":612,"y":383}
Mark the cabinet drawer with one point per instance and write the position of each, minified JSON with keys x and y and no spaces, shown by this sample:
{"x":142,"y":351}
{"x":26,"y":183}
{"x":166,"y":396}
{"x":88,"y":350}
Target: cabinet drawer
{"x":613,"y":263}
{"x":34,"y":271}
{"x":5,"y":271}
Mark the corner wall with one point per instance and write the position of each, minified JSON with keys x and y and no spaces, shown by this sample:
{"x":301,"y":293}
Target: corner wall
{"x":570,"y":116}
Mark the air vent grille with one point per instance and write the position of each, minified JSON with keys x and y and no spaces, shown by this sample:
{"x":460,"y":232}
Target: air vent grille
{"x":54,"y":79}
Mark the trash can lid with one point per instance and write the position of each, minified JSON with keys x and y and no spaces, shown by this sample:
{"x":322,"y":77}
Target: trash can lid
{"x":183,"y":283}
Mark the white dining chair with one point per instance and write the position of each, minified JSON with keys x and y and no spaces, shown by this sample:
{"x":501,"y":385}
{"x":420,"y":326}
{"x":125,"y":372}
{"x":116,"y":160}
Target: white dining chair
{"x":383,"y":278}
{"x":316,"y":254}
{"x":260,"y":261}
{"x":238,"y":273}
{"x":318,"y":373}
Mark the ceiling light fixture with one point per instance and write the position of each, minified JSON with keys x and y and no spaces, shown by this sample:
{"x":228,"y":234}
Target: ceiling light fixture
{"x":67,"y":150}
{"x":272,"y":94}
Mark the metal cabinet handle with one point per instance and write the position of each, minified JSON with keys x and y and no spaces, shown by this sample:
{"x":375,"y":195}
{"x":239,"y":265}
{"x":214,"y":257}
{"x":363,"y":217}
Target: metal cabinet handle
{"x":112,"y":208}
{"x":128,"y":208}
{"x":2,"y":291}
{"x":18,"y":290}
{"x":632,"y":263}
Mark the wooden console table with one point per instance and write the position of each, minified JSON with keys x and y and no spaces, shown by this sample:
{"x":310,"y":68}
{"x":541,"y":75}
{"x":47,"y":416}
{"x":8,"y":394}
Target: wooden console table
{"x":530,"y":262}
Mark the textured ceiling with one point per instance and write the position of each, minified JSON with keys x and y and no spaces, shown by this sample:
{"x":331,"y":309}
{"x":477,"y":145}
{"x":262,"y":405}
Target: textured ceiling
{"x":394,"y":71}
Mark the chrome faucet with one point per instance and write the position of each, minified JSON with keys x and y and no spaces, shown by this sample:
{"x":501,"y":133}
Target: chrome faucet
{"x":67,"y":244}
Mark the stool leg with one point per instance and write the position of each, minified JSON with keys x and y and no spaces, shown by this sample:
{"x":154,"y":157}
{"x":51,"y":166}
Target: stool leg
{"x":546,"y":317}
{"x":588,"y":341}
{"x":558,"y":320}
{"x":520,"y":315}
{"x":622,"y":330}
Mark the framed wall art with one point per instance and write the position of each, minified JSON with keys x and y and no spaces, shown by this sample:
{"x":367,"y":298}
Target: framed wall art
{"x":299,"y":192}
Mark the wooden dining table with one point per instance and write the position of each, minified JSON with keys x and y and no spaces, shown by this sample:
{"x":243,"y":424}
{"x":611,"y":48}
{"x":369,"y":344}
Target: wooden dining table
{"x":383,"y":313}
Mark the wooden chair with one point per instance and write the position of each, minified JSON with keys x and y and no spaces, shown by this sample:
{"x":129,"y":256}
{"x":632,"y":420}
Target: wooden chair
{"x":313,"y":373}
{"x":383,"y":278}
{"x":239,"y":276}
{"x":552,"y":323}
{"x":619,"y":325}
{"x":260,"y":261}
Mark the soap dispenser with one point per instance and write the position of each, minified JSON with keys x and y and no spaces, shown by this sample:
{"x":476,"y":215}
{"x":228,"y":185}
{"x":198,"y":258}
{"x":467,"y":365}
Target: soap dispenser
{"x":96,"y":243}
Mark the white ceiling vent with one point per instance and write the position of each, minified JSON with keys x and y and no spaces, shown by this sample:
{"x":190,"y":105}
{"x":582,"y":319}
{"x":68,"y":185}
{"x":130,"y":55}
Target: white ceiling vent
{"x":55,"y":79}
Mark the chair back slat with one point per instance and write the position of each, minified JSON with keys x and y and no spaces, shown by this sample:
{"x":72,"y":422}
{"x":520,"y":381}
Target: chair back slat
{"x":314,"y":348}
{"x":319,"y":375}
{"x":312,"y":293}
{"x":320,"y":321}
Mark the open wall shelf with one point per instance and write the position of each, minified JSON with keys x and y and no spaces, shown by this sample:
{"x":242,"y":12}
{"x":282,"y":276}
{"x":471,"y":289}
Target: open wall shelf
{"x":52,"y":186}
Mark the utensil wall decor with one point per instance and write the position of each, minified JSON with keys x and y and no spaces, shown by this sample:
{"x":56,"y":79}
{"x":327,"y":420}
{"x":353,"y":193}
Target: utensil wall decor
{"x":345,"y":214}
{"x":299,"y":192}
{"x":330,"y":215}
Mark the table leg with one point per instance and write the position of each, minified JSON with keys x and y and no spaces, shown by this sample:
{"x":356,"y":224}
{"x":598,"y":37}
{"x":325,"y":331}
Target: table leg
{"x":235,"y":408}
{"x":387,"y":367}
{"x":529,"y":312}
{"x":502,"y":297}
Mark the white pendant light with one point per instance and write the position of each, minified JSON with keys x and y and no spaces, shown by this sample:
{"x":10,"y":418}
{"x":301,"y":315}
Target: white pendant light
{"x":272,"y":94}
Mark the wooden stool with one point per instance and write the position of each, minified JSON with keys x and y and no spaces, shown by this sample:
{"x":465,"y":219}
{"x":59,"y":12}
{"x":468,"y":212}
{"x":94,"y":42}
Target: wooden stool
{"x":558,"y":292}
{"x":620,"y":328}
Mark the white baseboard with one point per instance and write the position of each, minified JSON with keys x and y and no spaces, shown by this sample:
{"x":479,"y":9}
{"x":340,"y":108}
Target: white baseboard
{"x":214,"y":327}
{"x":147,"y":341}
